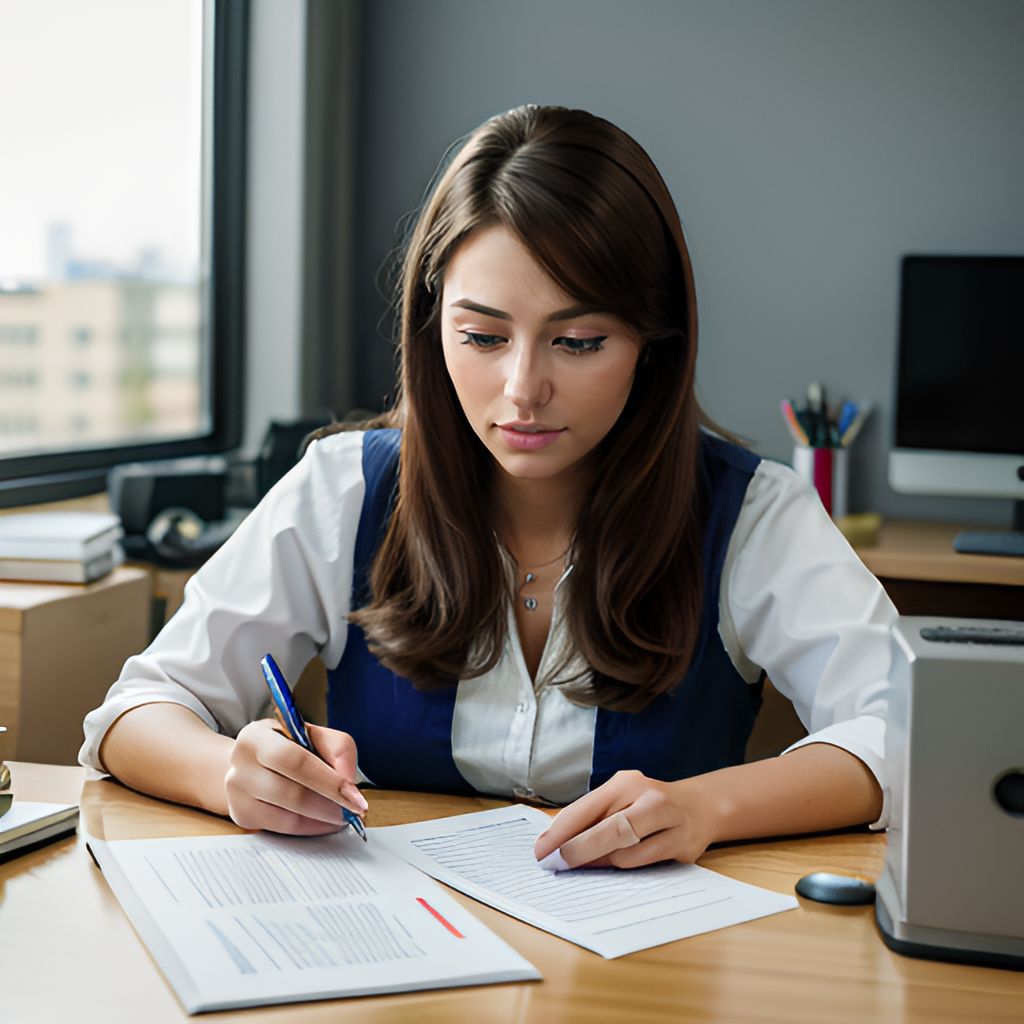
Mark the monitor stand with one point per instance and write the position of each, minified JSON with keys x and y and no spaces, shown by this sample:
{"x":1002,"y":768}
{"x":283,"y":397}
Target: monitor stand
{"x":994,"y":542}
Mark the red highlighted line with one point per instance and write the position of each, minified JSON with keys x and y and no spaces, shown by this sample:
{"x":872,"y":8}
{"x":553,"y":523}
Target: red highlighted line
{"x":455,"y":931}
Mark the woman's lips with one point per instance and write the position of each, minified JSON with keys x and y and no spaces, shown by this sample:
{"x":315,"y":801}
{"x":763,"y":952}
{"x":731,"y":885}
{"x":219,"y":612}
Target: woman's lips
{"x":529,"y":439}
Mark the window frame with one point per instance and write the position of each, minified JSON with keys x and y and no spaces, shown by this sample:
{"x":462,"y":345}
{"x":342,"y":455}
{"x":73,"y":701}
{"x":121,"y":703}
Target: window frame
{"x":57,"y":475}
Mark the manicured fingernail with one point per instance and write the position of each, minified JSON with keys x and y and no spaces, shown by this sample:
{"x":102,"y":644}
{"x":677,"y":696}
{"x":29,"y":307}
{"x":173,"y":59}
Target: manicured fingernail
{"x":554,"y":862}
{"x":354,"y":798}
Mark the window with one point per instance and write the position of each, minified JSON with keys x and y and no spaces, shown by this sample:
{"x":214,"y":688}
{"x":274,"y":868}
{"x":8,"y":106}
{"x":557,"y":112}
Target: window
{"x":121,"y":254}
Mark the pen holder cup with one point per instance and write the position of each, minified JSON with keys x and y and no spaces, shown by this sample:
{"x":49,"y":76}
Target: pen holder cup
{"x":828,"y":471}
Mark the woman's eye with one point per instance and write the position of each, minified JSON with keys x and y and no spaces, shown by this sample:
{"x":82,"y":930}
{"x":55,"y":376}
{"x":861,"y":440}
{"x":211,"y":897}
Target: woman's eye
{"x":577,"y":346}
{"x":481,"y":340}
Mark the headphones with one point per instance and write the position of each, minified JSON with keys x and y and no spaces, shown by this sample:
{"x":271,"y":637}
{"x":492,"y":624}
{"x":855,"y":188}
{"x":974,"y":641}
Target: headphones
{"x":180,"y":538}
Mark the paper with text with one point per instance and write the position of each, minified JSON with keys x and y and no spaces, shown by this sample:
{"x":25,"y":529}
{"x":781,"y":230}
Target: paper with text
{"x":247,"y":920}
{"x":489,"y":856}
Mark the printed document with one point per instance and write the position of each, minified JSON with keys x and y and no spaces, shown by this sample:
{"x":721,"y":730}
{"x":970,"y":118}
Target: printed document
{"x":489,"y":856}
{"x":247,"y":920}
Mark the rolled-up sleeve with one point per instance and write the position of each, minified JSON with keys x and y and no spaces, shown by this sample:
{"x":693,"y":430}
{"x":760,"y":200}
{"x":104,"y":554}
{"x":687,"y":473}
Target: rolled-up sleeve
{"x":797,"y":602}
{"x":281,"y":584}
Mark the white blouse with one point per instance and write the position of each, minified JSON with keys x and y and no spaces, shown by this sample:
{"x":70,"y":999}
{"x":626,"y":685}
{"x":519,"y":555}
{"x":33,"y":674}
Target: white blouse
{"x":795,"y":601}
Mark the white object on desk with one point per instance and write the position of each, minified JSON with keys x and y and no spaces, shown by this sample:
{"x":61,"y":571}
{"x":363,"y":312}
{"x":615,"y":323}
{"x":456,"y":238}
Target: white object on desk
{"x":77,"y":536}
{"x":249,"y":920}
{"x":954,"y":749}
{"x":28,"y":822}
{"x":808,"y":463}
{"x":489,"y":856}
{"x":67,"y":570}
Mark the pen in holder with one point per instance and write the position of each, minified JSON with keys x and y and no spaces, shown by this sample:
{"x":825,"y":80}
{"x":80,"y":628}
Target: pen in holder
{"x":822,"y":437}
{"x":827,"y":469}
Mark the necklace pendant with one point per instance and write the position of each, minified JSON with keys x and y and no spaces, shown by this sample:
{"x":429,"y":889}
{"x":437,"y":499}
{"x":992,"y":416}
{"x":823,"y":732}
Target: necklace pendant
{"x":530,"y":603}
{"x":530,"y":577}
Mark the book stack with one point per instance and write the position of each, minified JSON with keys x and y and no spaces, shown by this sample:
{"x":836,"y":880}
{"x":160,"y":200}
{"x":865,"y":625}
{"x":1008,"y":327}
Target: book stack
{"x":59,"y":547}
{"x":31,"y":824}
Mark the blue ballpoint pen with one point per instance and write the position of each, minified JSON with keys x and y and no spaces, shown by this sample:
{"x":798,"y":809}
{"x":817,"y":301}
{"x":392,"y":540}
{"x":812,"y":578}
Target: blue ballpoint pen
{"x":295,"y":727}
{"x":847,"y":415}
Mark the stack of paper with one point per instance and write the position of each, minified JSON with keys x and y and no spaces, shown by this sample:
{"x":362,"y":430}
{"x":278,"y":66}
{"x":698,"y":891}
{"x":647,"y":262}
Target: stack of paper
{"x":27,"y":823}
{"x":59,"y":547}
{"x":246,"y":920}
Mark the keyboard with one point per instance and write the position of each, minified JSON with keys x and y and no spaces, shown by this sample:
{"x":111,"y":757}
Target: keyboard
{"x":1012,"y":635}
{"x":983,"y":542}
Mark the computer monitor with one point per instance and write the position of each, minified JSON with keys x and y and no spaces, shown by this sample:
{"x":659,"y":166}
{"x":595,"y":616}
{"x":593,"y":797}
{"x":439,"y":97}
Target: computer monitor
{"x":959,"y":423}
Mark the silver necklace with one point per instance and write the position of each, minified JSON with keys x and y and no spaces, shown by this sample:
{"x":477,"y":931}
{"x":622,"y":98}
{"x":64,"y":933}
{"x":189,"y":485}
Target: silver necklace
{"x":530,"y":576}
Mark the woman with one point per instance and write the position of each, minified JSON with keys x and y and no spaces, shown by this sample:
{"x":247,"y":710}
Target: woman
{"x":549,"y":579}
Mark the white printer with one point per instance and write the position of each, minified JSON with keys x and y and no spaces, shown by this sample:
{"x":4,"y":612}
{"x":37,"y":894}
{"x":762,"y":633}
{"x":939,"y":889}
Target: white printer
{"x":953,"y":884}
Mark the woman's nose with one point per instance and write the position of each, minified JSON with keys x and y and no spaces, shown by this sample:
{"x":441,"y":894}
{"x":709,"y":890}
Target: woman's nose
{"x":527,"y":384}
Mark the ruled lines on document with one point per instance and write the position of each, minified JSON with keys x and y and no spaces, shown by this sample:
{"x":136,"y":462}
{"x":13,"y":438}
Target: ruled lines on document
{"x":228,"y":876}
{"x":499,"y":856}
{"x":245,"y":920}
{"x":318,"y":936}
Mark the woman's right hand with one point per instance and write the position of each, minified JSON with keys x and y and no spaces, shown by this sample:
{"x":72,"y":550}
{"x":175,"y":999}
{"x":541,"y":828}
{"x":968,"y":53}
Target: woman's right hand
{"x":273,"y":783}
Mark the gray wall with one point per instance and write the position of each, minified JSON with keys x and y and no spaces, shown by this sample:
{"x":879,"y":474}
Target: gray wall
{"x":808,"y":146}
{"x":274,"y":230}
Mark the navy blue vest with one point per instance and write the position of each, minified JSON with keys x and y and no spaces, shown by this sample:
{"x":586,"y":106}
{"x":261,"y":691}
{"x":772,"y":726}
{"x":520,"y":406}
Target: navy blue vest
{"x":404,"y":734}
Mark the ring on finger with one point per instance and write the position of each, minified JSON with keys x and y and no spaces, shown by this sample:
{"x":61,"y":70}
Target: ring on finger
{"x":624,"y":829}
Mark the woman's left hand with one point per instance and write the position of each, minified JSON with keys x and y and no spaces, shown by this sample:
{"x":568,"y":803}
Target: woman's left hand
{"x":630,"y":821}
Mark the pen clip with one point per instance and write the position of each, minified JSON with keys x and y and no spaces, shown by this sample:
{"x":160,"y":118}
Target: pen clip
{"x":284,"y":705}
{"x":295,"y":727}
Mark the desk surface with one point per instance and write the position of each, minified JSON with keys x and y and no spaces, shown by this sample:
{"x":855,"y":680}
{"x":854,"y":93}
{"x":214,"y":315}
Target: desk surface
{"x":917,"y":550}
{"x":68,"y":952}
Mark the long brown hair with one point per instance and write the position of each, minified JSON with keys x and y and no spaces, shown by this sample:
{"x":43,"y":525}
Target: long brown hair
{"x":589,"y":204}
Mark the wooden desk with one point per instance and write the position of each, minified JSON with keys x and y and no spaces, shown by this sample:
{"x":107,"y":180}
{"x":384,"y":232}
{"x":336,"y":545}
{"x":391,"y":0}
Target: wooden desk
{"x":68,"y":952}
{"x":923,"y":575}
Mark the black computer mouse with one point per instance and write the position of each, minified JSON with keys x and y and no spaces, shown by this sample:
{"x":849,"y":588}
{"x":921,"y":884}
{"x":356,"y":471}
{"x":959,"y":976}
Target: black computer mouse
{"x":826,"y":887}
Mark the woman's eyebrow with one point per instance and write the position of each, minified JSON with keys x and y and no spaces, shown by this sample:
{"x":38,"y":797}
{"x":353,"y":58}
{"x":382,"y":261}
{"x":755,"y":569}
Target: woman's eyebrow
{"x":569,"y":313}
{"x":476,"y":307}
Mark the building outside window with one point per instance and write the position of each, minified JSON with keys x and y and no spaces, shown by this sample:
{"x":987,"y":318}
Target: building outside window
{"x":107,"y":261}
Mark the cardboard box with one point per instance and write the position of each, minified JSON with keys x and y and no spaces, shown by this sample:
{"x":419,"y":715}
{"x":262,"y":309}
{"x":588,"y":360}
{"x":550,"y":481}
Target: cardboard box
{"x":61,"y":648}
